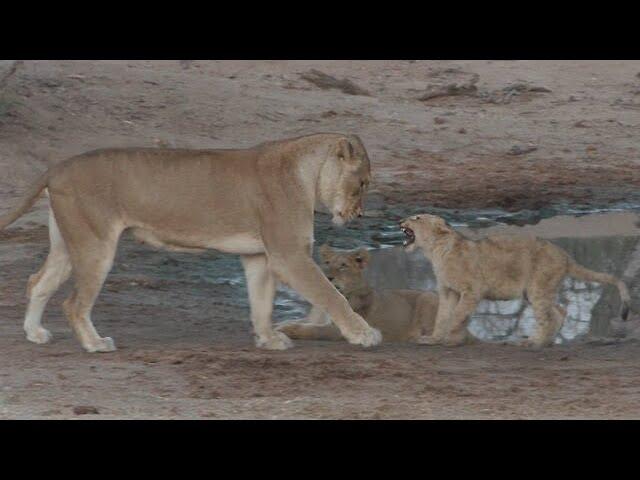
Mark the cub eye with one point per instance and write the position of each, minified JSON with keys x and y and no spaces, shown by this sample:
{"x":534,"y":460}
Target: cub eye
{"x":359,"y":260}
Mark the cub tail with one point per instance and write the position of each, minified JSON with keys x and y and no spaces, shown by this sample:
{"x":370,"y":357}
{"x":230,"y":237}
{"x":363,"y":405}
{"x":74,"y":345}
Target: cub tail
{"x":581,"y":273}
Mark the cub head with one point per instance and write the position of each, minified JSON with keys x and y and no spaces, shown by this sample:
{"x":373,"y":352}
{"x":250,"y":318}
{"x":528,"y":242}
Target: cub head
{"x":345,"y":269}
{"x":344,"y":179}
{"x":423,"y":229}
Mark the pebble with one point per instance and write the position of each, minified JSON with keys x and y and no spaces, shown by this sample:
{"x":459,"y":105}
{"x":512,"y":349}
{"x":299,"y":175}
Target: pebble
{"x":85,"y":410}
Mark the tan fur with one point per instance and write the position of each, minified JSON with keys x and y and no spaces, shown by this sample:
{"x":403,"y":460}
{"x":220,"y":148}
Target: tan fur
{"x":257,"y":202}
{"x":400,"y":315}
{"x":496,"y":268}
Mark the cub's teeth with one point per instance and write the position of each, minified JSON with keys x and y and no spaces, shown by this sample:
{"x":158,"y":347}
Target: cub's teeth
{"x":405,"y":243}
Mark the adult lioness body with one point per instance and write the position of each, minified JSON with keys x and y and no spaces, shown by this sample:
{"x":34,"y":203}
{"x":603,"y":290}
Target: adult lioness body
{"x":257,"y":202}
{"x":496,"y":268}
{"x":400,"y":315}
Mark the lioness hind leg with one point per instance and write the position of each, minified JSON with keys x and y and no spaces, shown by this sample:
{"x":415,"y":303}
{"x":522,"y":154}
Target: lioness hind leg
{"x":91,"y":261}
{"x":262,"y":289}
{"x":43,"y":285}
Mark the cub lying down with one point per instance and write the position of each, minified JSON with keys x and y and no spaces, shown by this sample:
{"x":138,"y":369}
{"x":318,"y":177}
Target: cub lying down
{"x":400,"y":315}
{"x":495,"y":268}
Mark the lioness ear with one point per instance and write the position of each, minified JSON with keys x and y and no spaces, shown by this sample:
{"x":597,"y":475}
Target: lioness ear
{"x":345,"y":150}
{"x":362,"y":257}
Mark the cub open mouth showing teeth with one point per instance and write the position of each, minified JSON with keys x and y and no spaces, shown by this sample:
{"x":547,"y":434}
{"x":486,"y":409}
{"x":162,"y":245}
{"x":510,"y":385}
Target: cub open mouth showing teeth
{"x":410,"y":236}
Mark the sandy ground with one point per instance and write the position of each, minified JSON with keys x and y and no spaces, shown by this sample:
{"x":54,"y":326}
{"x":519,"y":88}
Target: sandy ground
{"x":186,"y":353}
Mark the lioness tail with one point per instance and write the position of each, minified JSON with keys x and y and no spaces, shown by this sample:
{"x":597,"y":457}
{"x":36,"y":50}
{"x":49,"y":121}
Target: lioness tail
{"x":581,"y":273}
{"x":26,"y":203}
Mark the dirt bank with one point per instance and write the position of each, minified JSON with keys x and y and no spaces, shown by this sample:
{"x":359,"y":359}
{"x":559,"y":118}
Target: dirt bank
{"x":531,"y":134}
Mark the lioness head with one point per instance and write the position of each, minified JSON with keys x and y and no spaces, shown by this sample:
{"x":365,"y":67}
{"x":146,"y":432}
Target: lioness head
{"x":344,"y":179}
{"x":345,"y":269}
{"x":423,"y":229}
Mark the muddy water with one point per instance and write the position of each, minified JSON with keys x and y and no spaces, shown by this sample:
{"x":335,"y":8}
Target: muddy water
{"x":603,"y":242}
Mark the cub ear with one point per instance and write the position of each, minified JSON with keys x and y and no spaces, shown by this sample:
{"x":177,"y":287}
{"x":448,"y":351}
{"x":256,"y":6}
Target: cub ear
{"x":442,"y":227}
{"x":325,"y":251}
{"x":362,"y":257}
{"x":345,"y":150}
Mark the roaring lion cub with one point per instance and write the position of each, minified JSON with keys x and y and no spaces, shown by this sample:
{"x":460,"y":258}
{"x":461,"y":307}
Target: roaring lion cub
{"x":400,"y":315}
{"x":495,"y":268}
{"x":257,"y":202}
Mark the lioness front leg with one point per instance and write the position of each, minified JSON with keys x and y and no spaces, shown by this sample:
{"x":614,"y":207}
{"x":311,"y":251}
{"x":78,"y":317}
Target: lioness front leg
{"x":301,"y":273}
{"x":262,"y":290}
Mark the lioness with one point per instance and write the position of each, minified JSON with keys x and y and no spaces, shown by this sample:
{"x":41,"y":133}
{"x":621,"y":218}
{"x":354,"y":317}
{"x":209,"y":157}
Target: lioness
{"x":400,"y":315}
{"x":496,"y":268}
{"x":257,"y":202}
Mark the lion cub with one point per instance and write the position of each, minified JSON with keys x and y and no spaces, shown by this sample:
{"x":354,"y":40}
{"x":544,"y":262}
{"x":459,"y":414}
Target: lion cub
{"x":400,"y":315}
{"x":496,"y":268}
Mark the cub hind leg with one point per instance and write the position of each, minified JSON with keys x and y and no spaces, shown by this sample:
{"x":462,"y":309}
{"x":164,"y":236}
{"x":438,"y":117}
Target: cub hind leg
{"x":549,"y":316}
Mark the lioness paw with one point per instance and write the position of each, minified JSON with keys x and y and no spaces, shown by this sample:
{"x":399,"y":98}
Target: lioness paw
{"x":274,"y":341}
{"x":369,"y":337}
{"x":39,"y":335}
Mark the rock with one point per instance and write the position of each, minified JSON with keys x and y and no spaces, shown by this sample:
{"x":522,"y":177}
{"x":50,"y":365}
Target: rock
{"x":462,"y":130}
{"x":522,"y":150}
{"x":85,"y":410}
{"x":327,"y":82}
{"x":505,"y":94}
{"x":439,"y":121}
{"x":452,"y":89}
{"x":581,"y":124}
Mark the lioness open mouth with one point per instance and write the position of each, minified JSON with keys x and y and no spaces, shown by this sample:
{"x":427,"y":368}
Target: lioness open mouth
{"x":411,"y":237}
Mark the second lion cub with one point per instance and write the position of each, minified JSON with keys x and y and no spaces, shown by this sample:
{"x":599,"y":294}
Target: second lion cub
{"x":496,"y":268}
{"x":400,"y":315}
